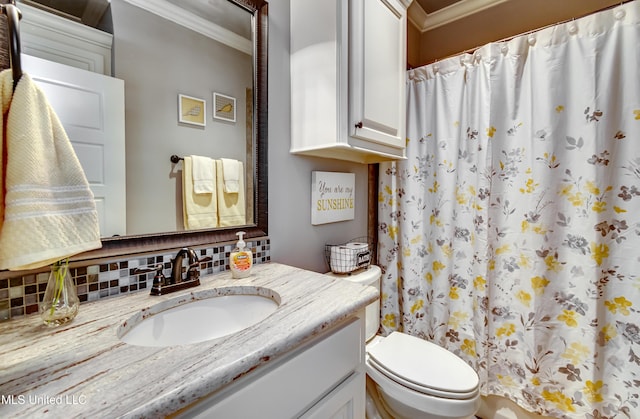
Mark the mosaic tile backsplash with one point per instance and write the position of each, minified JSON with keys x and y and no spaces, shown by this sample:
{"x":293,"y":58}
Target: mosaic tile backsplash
{"x":19,"y":296}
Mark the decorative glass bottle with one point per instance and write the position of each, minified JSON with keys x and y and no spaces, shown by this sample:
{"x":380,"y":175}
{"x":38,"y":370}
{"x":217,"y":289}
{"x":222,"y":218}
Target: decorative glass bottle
{"x":60,"y":303}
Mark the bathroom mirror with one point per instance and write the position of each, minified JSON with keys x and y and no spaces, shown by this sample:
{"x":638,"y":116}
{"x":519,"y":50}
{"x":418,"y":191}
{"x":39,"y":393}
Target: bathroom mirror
{"x":254,"y":104}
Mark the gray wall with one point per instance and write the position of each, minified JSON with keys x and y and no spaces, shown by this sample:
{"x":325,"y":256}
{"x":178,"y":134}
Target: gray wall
{"x":294,"y":241}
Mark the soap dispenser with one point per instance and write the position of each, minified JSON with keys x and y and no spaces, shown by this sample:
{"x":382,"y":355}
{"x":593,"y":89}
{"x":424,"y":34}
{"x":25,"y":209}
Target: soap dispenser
{"x":241,"y":258}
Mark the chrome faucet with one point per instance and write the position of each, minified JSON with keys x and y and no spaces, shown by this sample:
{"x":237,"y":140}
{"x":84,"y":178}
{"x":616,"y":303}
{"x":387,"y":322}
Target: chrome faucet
{"x":176,"y":282}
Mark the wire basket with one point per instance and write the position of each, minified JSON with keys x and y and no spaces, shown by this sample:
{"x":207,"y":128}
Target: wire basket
{"x":350,"y":256}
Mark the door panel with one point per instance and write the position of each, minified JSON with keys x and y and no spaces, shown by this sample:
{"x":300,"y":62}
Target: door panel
{"x":91,"y":109}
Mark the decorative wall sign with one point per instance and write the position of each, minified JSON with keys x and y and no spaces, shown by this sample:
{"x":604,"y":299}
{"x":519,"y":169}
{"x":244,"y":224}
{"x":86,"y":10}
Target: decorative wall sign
{"x":192,"y":110}
{"x":332,"y":197}
{"x":224,"y":107}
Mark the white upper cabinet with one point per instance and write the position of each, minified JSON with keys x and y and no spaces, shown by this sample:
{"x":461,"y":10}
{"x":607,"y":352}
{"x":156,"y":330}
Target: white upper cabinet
{"x":348,"y":67}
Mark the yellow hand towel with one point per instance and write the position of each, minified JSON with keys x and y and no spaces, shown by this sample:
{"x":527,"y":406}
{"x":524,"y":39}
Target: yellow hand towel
{"x":199,"y":210}
{"x":231,"y":174}
{"x":49,"y":210}
{"x":203,"y":172}
{"x":231,"y":206}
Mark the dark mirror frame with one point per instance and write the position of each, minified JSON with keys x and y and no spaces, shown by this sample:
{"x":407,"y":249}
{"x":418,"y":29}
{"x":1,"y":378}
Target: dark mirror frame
{"x":117,"y":246}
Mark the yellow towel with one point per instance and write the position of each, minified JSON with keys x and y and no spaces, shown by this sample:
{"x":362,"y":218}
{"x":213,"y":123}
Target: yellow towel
{"x":231,"y":206}
{"x":231,"y":173}
{"x":199,"y":210}
{"x":49,"y":210}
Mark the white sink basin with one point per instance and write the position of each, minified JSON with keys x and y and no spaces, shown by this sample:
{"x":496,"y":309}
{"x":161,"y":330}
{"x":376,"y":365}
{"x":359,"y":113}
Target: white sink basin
{"x":199,"y":317}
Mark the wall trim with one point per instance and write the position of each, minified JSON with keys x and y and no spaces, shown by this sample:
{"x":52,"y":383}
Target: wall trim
{"x":189,"y":20}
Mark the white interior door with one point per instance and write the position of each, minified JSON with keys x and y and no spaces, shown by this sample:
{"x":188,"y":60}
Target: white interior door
{"x":91,"y":109}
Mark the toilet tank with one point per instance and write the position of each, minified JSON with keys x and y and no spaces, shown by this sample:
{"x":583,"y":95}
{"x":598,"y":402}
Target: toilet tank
{"x":369,"y":276}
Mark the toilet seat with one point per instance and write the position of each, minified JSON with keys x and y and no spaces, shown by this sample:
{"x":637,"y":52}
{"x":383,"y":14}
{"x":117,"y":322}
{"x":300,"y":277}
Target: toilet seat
{"x":423,"y":367}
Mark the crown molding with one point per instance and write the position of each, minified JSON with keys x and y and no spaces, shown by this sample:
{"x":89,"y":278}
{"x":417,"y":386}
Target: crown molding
{"x":426,"y":21}
{"x":189,"y":20}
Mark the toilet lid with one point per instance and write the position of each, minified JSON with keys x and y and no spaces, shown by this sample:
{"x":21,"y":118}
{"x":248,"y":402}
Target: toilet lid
{"x":423,"y":366}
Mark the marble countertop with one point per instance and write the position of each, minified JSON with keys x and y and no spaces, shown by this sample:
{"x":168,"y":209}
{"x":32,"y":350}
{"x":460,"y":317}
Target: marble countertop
{"x":82,"y":369}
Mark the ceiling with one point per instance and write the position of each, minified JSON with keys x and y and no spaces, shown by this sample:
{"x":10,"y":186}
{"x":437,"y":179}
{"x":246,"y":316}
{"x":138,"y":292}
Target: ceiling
{"x":430,"y":14}
{"x":430,"y":6}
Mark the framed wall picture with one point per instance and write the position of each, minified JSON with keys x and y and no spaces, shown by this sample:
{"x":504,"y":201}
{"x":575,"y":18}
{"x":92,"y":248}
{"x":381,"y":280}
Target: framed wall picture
{"x":192,"y":110}
{"x":224,"y":107}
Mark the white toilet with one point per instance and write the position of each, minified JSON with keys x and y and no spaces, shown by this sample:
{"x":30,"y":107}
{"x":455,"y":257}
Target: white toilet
{"x":408,"y":377}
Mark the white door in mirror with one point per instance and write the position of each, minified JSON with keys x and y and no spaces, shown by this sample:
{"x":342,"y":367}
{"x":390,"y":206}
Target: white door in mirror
{"x":201,"y":320}
{"x":91,"y":109}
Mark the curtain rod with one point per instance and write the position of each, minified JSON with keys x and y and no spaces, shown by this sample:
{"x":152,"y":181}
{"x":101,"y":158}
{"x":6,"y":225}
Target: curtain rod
{"x":508,"y":38}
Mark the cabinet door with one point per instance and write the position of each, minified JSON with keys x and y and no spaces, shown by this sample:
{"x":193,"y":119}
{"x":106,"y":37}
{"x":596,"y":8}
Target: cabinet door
{"x":287,"y":386}
{"x":346,"y":401}
{"x":377,"y":77}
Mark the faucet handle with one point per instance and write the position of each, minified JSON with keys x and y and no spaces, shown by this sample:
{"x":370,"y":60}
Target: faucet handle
{"x":159,"y":279}
{"x":193,"y":270}
{"x":206,"y":259}
{"x":157,"y":268}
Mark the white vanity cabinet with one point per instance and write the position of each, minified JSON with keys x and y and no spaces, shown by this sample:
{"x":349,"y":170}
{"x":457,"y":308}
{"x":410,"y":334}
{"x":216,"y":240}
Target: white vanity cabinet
{"x":324,"y":378}
{"x":348,"y":70}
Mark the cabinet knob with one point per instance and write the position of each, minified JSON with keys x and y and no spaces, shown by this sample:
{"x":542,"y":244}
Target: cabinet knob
{"x":359,"y":124}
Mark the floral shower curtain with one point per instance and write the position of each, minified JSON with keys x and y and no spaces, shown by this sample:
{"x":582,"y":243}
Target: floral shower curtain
{"x":511,"y":233}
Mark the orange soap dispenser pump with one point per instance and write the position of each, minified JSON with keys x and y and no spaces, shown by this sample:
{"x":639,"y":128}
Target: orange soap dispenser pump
{"x":241,"y":258}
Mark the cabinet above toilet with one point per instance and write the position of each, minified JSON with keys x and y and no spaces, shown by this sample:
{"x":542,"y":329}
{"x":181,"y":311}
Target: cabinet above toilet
{"x":348,"y":63}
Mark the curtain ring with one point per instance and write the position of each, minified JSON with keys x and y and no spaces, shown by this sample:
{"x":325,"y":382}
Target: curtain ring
{"x":504,"y":49}
{"x":619,"y":14}
{"x":532,"y":40}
